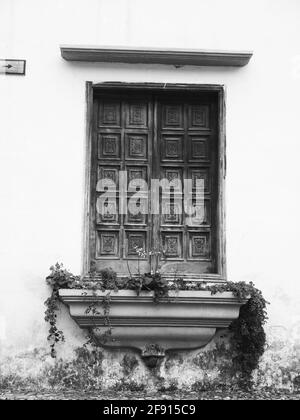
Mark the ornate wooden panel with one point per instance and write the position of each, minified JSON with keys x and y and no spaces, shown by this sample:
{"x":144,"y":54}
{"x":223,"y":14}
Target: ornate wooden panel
{"x":199,"y":245}
{"x":162,"y":137}
{"x":137,"y":173}
{"x":172,"y":116}
{"x":108,"y":172}
{"x":198,"y":148}
{"x":135,"y":240}
{"x":109,"y":146}
{"x":172,"y":148}
{"x":173,"y":174}
{"x":107,"y":211}
{"x":137,"y":115}
{"x":187,"y":149}
{"x":201,"y":214}
{"x":109,"y":114}
{"x":107,"y":244}
{"x":200,"y":178}
{"x":172,"y":245}
{"x":198,"y":117}
{"x":123,"y":136}
{"x":171,"y":213}
{"x":136,"y":146}
{"x":137,"y":217}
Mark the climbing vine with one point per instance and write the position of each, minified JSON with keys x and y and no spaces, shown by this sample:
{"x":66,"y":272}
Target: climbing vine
{"x":247,"y":332}
{"x":59,"y":278}
{"x":100,"y":309}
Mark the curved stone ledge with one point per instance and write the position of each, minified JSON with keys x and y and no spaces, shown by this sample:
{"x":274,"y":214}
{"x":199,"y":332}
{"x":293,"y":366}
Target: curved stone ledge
{"x":185,"y":320}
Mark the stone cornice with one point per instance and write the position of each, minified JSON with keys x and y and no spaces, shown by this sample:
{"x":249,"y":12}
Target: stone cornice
{"x":176,"y":57}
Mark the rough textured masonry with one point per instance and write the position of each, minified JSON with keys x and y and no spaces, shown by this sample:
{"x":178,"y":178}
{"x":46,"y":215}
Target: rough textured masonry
{"x":99,"y":369}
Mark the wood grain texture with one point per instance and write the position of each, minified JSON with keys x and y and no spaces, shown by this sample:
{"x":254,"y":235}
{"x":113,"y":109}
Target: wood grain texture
{"x":88,"y":172}
{"x":179,"y":143}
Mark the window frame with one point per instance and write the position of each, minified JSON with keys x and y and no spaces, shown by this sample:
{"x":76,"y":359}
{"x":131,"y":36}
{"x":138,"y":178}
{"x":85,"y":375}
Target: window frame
{"x":221,"y":275}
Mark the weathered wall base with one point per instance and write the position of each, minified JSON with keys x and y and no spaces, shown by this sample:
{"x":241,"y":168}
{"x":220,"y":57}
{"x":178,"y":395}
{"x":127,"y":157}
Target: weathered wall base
{"x":42,"y":165}
{"x":121,"y":370}
{"x":280,"y":365}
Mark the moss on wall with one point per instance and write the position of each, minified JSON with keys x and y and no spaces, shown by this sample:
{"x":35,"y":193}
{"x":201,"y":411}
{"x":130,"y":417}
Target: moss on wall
{"x":121,"y":370}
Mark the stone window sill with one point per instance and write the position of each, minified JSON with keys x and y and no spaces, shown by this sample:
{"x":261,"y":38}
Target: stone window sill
{"x":185,"y":320}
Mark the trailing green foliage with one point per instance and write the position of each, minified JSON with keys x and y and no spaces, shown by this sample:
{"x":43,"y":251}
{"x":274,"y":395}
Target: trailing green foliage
{"x":102,"y":309}
{"x":248,"y":336}
{"x":147,"y":282}
{"x":143,"y":282}
{"x":55,"y":335}
{"x":59,"y":278}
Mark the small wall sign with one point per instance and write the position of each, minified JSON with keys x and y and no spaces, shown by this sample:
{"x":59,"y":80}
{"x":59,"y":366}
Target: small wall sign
{"x":12,"y":66}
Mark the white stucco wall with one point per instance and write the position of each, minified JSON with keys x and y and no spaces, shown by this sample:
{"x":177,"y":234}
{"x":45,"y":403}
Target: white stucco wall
{"x":42,"y":136}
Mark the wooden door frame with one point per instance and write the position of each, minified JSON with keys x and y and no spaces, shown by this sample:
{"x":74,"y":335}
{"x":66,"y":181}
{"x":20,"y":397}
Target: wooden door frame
{"x":160,"y":87}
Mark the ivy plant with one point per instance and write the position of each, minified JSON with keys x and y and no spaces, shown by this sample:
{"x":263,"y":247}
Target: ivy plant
{"x":248,"y":337}
{"x":59,"y":278}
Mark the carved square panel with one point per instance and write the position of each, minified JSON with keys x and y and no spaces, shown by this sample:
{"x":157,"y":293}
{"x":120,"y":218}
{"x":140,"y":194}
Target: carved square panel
{"x":110,"y":114}
{"x":199,"y":117}
{"x":173,"y":174}
{"x":198,"y":148}
{"x":199,"y":214}
{"x":107,"y":210}
{"x":107,"y":244}
{"x":172,"y":116}
{"x":137,"y":115}
{"x":172,"y":148}
{"x":136,"y":146}
{"x":135,"y":240}
{"x":135,"y":173}
{"x":109,"y":146}
{"x":199,"y":245}
{"x":137,"y":210}
{"x":108,"y":173}
{"x":171,"y":213}
{"x":200,"y":175}
{"x":172,"y":245}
